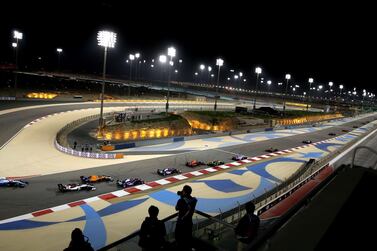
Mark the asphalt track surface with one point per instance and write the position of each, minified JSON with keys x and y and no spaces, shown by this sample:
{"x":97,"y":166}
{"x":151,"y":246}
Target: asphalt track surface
{"x":42,"y":191}
{"x":13,"y":122}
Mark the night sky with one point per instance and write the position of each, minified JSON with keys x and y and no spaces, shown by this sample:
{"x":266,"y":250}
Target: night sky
{"x":327,"y":42}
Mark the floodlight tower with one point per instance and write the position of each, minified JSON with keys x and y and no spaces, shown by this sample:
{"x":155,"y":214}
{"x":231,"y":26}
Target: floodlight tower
{"x":106,"y":39}
{"x":18,"y":36}
{"x":171,"y":54}
{"x":59,"y":51}
{"x":219,"y":63}
{"x":287,"y":77}
{"x":258,"y":71}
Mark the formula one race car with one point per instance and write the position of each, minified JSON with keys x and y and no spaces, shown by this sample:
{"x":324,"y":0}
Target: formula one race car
{"x":215,"y":163}
{"x":355,"y":126}
{"x":345,"y":130}
{"x":75,"y":187}
{"x":239,"y":157}
{"x":332,"y":134}
{"x":95,"y":178}
{"x":167,"y":171}
{"x":271,"y":150}
{"x":194,"y":163}
{"x":307,"y":141}
{"x":12,"y":183}
{"x":130,"y":182}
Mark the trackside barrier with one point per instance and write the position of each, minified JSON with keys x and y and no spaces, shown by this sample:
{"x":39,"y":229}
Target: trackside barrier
{"x":62,"y":145}
{"x":7,"y":98}
{"x":269,"y":129}
{"x":124,"y":145}
{"x":178,"y":139}
{"x":88,"y":154}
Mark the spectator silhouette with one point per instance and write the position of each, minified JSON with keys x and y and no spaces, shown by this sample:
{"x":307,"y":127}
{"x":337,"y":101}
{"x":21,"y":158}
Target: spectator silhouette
{"x":247,"y":228}
{"x":78,"y":242}
{"x":186,"y":208}
{"x":152,"y":232}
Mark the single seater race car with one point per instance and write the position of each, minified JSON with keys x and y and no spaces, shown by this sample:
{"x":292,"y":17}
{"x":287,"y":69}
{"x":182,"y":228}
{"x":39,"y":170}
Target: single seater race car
{"x":75,"y":187}
{"x":95,"y":178}
{"x":332,"y":134}
{"x":129,"y":182}
{"x":215,"y":163}
{"x":345,"y":130}
{"x":194,"y":163}
{"x":271,"y":150}
{"x":307,"y":141}
{"x":4,"y":182}
{"x":167,"y":171}
{"x":239,"y":157}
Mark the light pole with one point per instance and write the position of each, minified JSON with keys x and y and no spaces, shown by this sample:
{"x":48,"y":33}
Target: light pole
{"x":287,"y":77}
{"x":258,"y":71}
{"x":106,"y":39}
{"x":171,"y":54}
{"x":18,"y":36}
{"x":311,"y":80}
{"x":59,"y":51}
{"x":132,"y":58}
{"x":209,"y":73}
{"x":137,"y":56}
{"x":219,"y":63}
{"x":202,"y":67}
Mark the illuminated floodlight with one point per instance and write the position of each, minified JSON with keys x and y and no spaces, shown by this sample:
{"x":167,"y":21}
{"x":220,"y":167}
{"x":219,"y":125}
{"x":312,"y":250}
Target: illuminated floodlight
{"x":106,"y":39}
{"x":14,"y":45}
{"x":240,"y":74}
{"x":180,"y":61}
{"x":320,"y":87}
{"x":162,"y":59}
{"x":171,"y":52}
{"x":171,"y":63}
{"x":137,"y":55}
{"x":219,"y":62}
{"x":269,"y":82}
{"x":258,"y":70}
{"x":311,"y":80}
{"x":132,"y":57}
{"x":59,"y":50}
{"x":235,"y":76}
{"x":331,"y":84}
{"x":17,"y":35}
{"x":196,"y":74}
{"x":202,"y":67}
{"x":341,"y":87}
{"x":209,"y":68}
{"x":287,"y":76}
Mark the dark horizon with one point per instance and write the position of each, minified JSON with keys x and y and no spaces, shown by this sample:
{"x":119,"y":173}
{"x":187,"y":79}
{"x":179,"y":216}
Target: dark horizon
{"x":327,"y":43}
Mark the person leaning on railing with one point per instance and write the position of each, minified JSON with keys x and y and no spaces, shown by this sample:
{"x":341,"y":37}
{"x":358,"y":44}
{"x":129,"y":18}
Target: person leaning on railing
{"x":247,"y":228}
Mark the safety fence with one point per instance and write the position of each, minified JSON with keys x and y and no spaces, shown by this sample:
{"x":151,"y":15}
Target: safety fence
{"x":62,"y":145}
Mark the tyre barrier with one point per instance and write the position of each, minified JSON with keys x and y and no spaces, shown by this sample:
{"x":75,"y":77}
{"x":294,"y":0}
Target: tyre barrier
{"x":88,"y":154}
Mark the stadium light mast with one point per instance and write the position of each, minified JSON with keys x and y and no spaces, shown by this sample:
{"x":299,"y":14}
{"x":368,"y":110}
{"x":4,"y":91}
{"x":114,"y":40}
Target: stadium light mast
{"x":106,"y":39}
{"x":310,"y":80}
{"x":171,"y":53}
{"x":258,"y":71}
{"x":18,"y":36}
{"x":219,"y":63}
{"x":59,"y":51}
{"x":287,"y":77}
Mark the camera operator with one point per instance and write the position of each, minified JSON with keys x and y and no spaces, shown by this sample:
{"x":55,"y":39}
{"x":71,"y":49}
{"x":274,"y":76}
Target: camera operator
{"x":185,"y":207}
